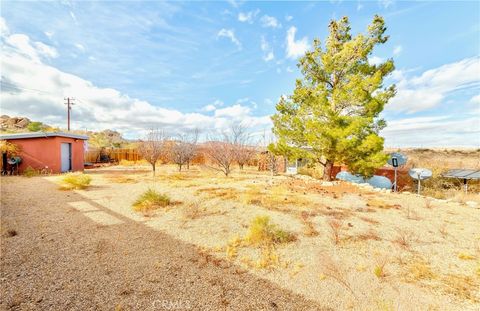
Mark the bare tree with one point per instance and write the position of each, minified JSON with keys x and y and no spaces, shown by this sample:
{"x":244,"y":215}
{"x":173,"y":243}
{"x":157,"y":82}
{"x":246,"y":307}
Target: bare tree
{"x":241,"y":139}
{"x":184,"y":149}
{"x":153,"y":147}
{"x":221,"y":152}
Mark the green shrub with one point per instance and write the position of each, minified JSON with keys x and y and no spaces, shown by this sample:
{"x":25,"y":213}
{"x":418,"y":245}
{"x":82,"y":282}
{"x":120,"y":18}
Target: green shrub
{"x":262,"y":232}
{"x":75,"y":181}
{"x":30,"y":172}
{"x":151,"y":200}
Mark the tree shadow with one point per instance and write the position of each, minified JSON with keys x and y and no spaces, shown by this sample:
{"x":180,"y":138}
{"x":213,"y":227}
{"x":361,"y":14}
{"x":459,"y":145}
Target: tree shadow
{"x":62,"y":259}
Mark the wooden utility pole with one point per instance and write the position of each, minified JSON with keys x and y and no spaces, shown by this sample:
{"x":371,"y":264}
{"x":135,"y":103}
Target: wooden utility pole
{"x":69,"y":104}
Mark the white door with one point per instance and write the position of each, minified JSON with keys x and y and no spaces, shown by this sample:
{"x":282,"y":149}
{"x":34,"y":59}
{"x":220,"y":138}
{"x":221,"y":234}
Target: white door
{"x":66,"y":150}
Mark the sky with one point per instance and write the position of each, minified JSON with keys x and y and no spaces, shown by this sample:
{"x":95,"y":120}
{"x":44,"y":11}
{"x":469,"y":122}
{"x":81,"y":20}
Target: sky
{"x":133,"y":66}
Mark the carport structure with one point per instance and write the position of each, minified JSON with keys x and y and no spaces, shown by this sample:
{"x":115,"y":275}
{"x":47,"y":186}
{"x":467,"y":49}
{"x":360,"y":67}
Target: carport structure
{"x":465,"y":174}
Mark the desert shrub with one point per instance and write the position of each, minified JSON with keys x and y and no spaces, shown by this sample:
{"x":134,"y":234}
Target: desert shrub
{"x":419,"y":269}
{"x":30,"y":172}
{"x":150,"y":200}
{"x":335,"y":228}
{"x":75,"y":181}
{"x":462,"y":286}
{"x":309,"y":226}
{"x":404,"y":238}
{"x":315,"y":171}
{"x":262,"y":232}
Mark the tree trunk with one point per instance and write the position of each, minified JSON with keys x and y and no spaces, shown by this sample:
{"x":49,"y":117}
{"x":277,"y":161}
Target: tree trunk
{"x":153,"y":169}
{"x":241,"y":166}
{"x":327,"y":172}
{"x":179,"y":167}
{"x":188,"y":165}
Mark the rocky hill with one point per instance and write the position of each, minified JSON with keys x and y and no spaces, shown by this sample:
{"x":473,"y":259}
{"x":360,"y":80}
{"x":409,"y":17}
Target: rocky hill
{"x":105,"y":138}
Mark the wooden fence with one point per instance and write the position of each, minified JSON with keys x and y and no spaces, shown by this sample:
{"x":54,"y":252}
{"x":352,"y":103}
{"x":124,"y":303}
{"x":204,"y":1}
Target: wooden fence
{"x":114,"y":154}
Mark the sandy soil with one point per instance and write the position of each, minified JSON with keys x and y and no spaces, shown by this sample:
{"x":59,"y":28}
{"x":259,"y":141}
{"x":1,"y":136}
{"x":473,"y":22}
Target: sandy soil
{"x":89,"y":249}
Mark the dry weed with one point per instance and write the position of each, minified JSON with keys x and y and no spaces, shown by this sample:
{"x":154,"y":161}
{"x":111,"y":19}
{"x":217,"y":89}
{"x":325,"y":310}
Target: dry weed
{"x":462,"y":286}
{"x":419,"y":269}
{"x":404,"y":238}
{"x":378,"y":203}
{"x":335,"y":229}
{"x":369,"y":235}
{"x":308,"y":224}
{"x":334,"y":269}
{"x":380,"y":263}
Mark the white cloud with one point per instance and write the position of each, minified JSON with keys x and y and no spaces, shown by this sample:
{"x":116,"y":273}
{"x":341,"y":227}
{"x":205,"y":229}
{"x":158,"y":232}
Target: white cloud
{"x":267,"y":50}
{"x":298,"y":48}
{"x":49,"y":34}
{"x":3,"y":27}
{"x":445,"y":131}
{"x":385,"y":3}
{"x":235,"y":111}
{"x":36,"y":90}
{"x":475,"y":99}
{"x":34,"y":50}
{"x":397,"y":50}
{"x":288,"y":18}
{"x":270,"y":21}
{"x":289,"y":69}
{"x":375,"y":60}
{"x":80,"y":47}
{"x":359,"y":6}
{"x":431,"y":87}
{"x":229,"y":33}
{"x":248,"y":17}
{"x":209,"y":108}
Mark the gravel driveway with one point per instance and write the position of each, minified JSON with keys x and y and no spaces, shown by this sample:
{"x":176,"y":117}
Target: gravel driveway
{"x":53,"y":257}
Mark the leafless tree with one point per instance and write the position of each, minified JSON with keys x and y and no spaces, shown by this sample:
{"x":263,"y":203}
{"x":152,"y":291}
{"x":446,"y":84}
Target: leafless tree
{"x":242,"y":142}
{"x":153,"y":147}
{"x":183,"y":149}
{"x":221,"y":152}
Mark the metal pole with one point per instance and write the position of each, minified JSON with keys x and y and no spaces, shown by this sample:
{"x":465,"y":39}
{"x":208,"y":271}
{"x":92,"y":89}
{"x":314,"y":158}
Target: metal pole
{"x":418,"y":189}
{"x":465,"y":185}
{"x":395,"y":185}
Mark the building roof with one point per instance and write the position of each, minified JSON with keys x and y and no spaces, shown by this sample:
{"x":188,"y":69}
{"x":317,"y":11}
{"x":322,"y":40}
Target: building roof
{"x":41,"y":135}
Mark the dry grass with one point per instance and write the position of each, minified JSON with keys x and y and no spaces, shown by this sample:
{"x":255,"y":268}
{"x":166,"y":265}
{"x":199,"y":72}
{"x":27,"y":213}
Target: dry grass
{"x":196,"y":209}
{"x":275,"y":198}
{"x":380,"y":264}
{"x":335,"y":229}
{"x":462,"y":286}
{"x":262,"y":232}
{"x":221,"y":193}
{"x":369,"y":235}
{"x":150,"y":200}
{"x":335,"y":270}
{"x":308,"y":224}
{"x":378,"y":203}
{"x":75,"y":181}
{"x":404,"y":238}
{"x":419,"y":269}
{"x":120,"y":179}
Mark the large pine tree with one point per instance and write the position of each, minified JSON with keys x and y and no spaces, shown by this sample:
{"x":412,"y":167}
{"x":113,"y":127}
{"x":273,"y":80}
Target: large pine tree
{"x":333,"y":114}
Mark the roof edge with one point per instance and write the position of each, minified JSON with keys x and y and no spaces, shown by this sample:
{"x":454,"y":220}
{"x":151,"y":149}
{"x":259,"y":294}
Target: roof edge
{"x":41,"y":135}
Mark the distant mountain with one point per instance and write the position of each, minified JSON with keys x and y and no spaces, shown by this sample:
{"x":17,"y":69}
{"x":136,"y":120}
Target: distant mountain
{"x":105,"y":138}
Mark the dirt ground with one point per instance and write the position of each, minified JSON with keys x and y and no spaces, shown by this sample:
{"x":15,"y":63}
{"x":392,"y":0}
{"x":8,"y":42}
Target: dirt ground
{"x":354,"y":248}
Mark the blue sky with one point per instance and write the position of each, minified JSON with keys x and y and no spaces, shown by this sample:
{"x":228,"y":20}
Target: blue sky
{"x":177,"y":65}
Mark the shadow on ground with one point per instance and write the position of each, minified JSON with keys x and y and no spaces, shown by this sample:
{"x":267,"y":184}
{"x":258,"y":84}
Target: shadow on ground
{"x":82,"y":256}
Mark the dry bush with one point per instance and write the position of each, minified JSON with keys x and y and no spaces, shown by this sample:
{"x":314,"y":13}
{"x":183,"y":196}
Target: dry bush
{"x":221,"y":193}
{"x":404,"y":238}
{"x":120,"y":179}
{"x":379,"y":269}
{"x":335,"y":270}
{"x":335,"y":229}
{"x":75,"y":181}
{"x":369,"y":220}
{"x":381,"y":204}
{"x":151,"y":200}
{"x":262,"y":232}
{"x":30,"y":172}
{"x":462,"y":286}
{"x":419,"y":269}
{"x":309,"y":226}
{"x":195,"y":209}
{"x":369,"y":235}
